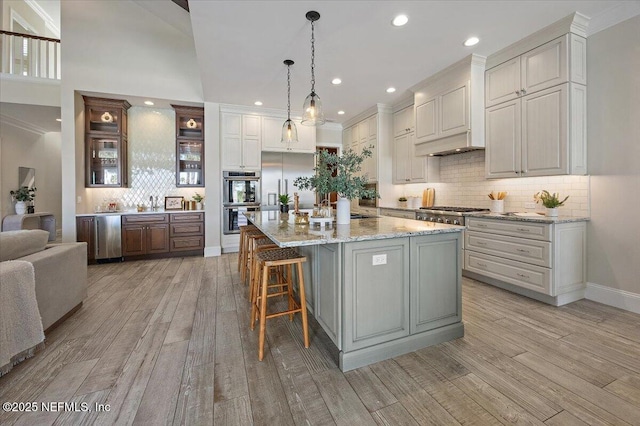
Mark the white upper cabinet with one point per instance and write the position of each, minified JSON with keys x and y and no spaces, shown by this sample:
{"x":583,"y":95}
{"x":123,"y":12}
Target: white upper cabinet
{"x":536,"y":111}
{"x":364,"y":134}
{"x":407,"y":166}
{"x":272,"y":136}
{"x":240,"y":141}
{"x":558,"y":61}
{"x":403,"y":122}
{"x":449,"y":108}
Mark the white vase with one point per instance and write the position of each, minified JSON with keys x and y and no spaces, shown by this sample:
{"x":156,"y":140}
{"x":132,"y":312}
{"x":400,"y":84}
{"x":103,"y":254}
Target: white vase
{"x":21,"y":207}
{"x":198,"y":206}
{"x":551,"y":212}
{"x":343,"y":214}
{"x":497,"y":206}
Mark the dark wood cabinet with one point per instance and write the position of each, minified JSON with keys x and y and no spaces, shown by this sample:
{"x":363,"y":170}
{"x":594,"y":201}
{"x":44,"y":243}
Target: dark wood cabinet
{"x":85,"y":232}
{"x":145,"y":234}
{"x":106,"y":152}
{"x":186,"y":231}
{"x":189,"y":146}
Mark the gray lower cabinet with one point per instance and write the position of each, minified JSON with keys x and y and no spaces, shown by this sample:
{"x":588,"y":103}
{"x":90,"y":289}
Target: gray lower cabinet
{"x":376,"y":292}
{"x":310,"y":252}
{"x":328,"y":296}
{"x":436,"y":282}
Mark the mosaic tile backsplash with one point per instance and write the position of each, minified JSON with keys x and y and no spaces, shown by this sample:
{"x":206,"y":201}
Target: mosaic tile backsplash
{"x":462,"y":183}
{"x":152,"y":161}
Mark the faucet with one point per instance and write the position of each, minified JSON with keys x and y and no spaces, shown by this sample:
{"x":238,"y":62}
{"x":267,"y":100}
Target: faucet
{"x":154,"y":203}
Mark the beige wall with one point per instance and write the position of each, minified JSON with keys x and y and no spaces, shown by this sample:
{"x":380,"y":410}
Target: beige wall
{"x":22,"y":148}
{"x":614,"y":156}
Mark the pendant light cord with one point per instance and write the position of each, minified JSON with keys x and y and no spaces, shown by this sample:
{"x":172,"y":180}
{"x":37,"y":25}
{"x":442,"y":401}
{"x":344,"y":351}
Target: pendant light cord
{"x":288,"y":92}
{"x":313,"y":58}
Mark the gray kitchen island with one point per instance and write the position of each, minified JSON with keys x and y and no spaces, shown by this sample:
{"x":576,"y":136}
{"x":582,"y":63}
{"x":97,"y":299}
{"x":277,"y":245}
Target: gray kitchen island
{"x":380,"y":287}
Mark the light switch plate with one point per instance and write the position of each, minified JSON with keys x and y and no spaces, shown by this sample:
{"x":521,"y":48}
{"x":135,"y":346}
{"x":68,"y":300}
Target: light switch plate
{"x":79,"y":201}
{"x":379,"y":259}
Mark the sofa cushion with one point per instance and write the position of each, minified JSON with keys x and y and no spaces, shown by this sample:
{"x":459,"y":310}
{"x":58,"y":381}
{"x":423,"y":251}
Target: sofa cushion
{"x":17,"y":244}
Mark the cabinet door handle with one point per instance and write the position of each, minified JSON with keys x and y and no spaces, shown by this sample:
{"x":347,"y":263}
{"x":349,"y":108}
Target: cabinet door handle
{"x":484,"y":265}
{"x":524,"y":91}
{"x":524,"y":230}
{"x":480,"y":243}
{"x":523,"y":251}
{"x":481,"y":225}
{"x":523,"y":275}
{"x":518,"y":92}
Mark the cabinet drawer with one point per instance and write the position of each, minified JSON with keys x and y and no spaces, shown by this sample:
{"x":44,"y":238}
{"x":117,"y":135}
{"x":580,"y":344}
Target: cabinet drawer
{"x":186,"y":217}
{"x":520,"y":249}
{"x":145,"y":218}
{"x":521,"y":274}
{"x":398,"y":213}
{"x":186,"y":243}
{"x":186,"y":229}
{"x":536,"y":231}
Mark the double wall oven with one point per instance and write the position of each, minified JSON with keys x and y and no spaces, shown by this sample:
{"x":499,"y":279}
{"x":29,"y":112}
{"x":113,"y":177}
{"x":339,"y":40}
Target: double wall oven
{"x":240,"y":193}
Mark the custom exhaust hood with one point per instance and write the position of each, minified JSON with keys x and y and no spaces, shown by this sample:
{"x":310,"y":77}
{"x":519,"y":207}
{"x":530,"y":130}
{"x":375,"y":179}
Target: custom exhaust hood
{"x":449,"y":109}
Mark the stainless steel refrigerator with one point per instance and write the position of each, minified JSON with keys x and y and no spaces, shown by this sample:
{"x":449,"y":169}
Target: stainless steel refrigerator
{"x":279,"y":170}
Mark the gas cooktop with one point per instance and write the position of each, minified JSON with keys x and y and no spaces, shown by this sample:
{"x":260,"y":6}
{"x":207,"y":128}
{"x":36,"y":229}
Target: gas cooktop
{"x":454,"y":209}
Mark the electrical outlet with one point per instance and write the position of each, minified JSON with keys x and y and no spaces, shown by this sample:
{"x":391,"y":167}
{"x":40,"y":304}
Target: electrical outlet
{"x":379,"y":259}
{"x":79,"y":199}
{"x":530,"y":205}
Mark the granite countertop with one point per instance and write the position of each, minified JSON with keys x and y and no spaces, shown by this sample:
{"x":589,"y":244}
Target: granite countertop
{"x":529,"y":217}
{"x":404,"y":209}
{"x":286,"y":233}
{"x":127,"y":212}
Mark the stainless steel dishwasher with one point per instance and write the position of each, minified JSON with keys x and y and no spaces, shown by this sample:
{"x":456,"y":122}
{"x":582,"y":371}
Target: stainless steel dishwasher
{"x":108,"y":237}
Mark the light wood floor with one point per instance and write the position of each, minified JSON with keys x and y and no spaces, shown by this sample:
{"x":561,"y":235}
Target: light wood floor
{"x":168,"y":341}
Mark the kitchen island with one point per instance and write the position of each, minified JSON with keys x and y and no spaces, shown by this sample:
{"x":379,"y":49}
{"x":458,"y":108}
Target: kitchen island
{"x":380,"y":287}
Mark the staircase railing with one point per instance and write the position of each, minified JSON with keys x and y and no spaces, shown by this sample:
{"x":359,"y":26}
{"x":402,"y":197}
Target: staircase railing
{"x":30,"y":55}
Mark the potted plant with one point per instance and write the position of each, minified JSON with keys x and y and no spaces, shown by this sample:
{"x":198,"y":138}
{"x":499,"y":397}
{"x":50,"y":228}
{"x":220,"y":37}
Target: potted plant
{"x":23,"y":195}
{"x":198,"y":199}
{"x":550,"y":201}
{"x":346,"y":182}
{"x":402,"y":202}
{"x":284,"y":202}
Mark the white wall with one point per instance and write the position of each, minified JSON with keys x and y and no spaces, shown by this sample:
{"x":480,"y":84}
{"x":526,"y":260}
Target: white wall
{"x":115,"y":48}
{"x":23,"y":148}
{"x":613,"y":245}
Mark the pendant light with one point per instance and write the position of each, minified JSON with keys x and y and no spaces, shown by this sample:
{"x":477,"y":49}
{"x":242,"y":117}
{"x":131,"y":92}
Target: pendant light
{"x":289,"y":131}
{"x":312,"y":108}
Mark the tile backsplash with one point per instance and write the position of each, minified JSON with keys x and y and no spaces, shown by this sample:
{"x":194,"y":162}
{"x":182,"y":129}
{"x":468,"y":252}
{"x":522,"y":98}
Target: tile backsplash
{"x":152,"y":161}
{"x":463,"y":184}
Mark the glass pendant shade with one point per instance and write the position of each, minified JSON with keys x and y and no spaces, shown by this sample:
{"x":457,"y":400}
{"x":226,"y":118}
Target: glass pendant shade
{"x":289,"y":132}
{"x":313,"y":115}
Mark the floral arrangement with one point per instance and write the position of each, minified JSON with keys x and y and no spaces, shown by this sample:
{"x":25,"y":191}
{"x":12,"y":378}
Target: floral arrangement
{"x":24,"y":193}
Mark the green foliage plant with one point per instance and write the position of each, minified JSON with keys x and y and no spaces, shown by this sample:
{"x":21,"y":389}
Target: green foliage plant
{"x":550,"y":201}
{"x":24,"y":193}
{"x":284,"y":199}
{"x":347,"y":183}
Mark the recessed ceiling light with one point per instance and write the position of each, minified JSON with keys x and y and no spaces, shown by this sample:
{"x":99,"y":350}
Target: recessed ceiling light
{"x":148,"y":103}
{"x":431,"y":155}
{"x":471,"y":41}
{"x":391,"y":89}
{"x":257,"y":103}
{"x":59,"y":119}
{"x":336,"y":81}
{"x":400,"y":20}
{"x":340,"y":112}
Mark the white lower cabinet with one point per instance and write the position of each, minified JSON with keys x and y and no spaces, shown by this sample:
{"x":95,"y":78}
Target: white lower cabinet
{"x":545,"y":258}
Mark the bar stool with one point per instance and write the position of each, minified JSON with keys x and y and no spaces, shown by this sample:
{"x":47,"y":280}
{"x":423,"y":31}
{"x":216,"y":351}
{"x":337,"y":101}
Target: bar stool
{"x":257,"y":245}
{"x":244,"y":255}
{"x":265,"y":260}
{"x":243,"y":230}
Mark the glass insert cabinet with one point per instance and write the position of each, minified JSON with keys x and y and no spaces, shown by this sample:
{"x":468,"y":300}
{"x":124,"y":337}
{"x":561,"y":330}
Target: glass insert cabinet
{"x":106,"y":142}
{"x":189,"y":146}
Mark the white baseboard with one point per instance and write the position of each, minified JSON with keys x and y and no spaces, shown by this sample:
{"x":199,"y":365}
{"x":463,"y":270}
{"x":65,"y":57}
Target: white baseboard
{"x":613,"y":297}
{"x":212,"y":251}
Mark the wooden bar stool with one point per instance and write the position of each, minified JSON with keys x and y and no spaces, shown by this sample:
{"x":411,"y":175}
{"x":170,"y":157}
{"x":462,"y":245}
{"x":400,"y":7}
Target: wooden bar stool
{"x":249,"y":245}
{"x":243,"y":230}
{"x":265,"y":260}
{"x":244,"y":255}
{"x":258,"y":245}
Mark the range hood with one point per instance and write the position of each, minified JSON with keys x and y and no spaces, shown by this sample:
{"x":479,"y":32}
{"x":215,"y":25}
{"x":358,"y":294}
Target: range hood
{"x":449,"y":109}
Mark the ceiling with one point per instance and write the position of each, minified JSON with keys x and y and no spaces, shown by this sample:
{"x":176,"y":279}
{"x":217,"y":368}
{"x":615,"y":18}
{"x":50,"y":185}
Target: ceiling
{"x":241,"y":45}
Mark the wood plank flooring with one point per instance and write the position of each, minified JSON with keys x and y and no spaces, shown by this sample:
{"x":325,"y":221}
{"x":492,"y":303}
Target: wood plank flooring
{"x":168,"y":342}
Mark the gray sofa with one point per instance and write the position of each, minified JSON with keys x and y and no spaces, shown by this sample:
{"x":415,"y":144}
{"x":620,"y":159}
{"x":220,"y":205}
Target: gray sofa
{"x":60,"y":272}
